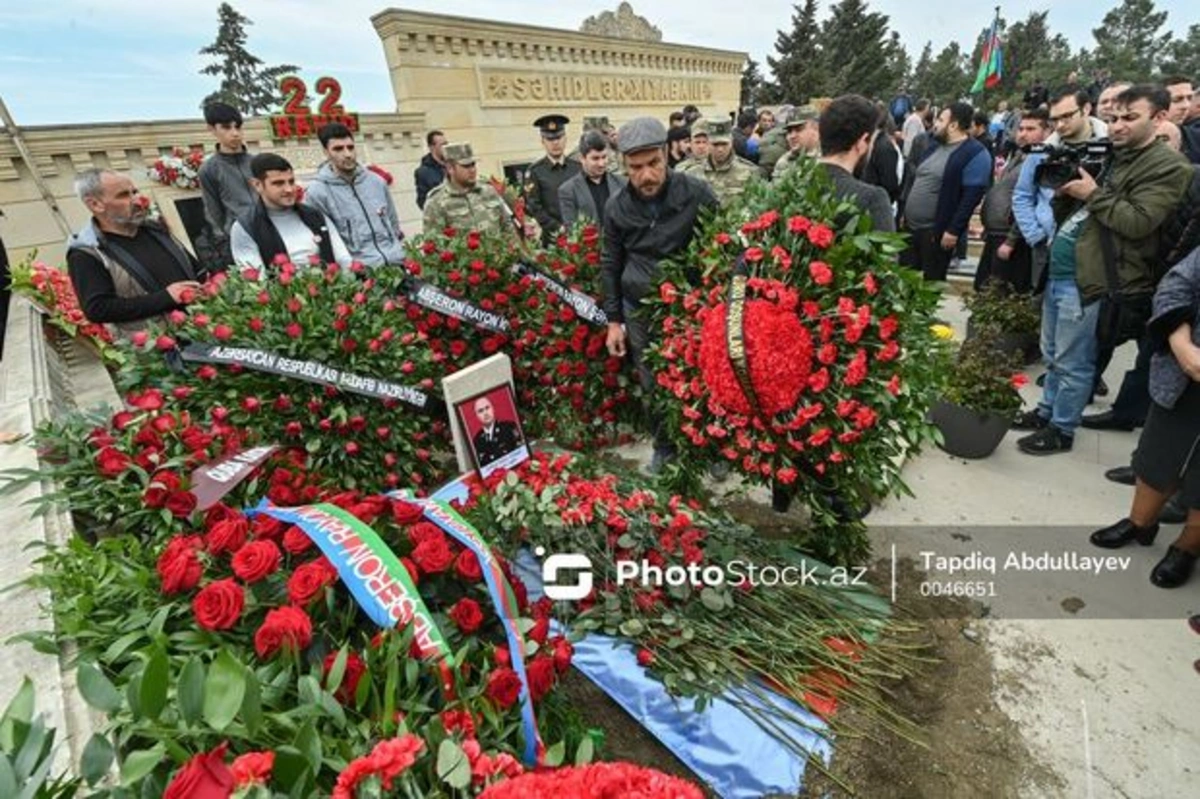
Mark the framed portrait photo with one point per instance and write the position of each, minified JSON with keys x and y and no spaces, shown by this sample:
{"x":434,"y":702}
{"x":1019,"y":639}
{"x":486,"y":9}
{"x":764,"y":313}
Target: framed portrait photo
{"x":492,"y":429}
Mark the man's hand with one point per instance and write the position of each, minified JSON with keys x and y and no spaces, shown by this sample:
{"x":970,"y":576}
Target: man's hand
{"x":184,"y":291}
{"x":1081,"y":188}
{"x":1004,"y":251}
{"x":1186,"y":353}
{"x":949,"y":241}
{"x":616,"y":340}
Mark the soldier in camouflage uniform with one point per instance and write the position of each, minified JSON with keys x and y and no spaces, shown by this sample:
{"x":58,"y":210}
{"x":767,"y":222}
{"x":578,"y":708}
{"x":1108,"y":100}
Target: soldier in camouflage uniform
{"x":725,"y":172}
{"x":461,"y":202}
{"x":803,"y":139}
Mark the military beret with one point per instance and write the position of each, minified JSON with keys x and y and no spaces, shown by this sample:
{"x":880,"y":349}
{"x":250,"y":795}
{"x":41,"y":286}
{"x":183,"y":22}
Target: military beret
{"x":459,"y":153}
{"x":641,"y":133}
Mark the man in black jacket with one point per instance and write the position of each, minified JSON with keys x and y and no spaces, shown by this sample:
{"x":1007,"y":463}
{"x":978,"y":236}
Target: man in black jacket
{"x":652,"y":219}
{"x":432,"y":171}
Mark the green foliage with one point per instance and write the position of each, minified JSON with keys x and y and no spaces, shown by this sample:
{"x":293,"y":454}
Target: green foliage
{"x":752,"y":84}
{"x":1183,"y":57}
{"x":1128,"y":41}
{"x":27,"y":752}
{"x":246,"y":83}
{"x":981,"y":378}
{"x":799,"y":69}
{"x":1006,"y":311}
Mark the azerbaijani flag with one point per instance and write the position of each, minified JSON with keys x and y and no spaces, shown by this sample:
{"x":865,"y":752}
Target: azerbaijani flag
{"x":991,"y":60}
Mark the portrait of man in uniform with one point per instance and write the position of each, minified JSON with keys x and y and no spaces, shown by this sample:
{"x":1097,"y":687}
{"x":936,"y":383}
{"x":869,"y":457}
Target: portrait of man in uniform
{"x":493,"y":430}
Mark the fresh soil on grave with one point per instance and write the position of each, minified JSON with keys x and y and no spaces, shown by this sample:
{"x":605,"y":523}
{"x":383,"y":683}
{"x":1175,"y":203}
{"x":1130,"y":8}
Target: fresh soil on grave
{"x":967,"y":746}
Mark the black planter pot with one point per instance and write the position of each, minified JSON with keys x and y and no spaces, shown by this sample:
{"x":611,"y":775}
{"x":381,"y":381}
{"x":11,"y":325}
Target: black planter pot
{"x":967,"y":434}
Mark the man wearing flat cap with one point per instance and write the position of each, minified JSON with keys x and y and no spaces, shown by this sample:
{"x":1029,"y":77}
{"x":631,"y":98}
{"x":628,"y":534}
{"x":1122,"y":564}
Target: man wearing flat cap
{"x":803,"y":139}
{"x":652,"y":218}
{"x":548,"y":173}
{"x":463,"y":203}
{"x":727,"y":173}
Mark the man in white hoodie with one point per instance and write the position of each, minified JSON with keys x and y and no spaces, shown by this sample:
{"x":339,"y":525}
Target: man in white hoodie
{"x":357,"y":200}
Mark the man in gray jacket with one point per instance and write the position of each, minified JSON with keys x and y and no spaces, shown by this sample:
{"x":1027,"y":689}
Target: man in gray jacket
{"x":586,"y":194}
{"x":225,"y":176}
{"x":357,"y":200}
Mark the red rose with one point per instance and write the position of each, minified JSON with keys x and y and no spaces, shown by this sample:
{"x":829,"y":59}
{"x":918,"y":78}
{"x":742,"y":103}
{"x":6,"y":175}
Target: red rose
{"x":205,"y":776}
{"x":645,"y":658}
{"x":503,"y":687}
{"x":309,"y":581}
{"x":111,"y":462}
{"x":285,"y":627}
{"x":539,"y":631}
{"x":406,"y":513}
{"x":226,"y":535}
{"x":179,"y":566}
{"x":421,"y":532}
{"x":252,"y":767}
{"x":164,"y":343}
{"x":139,"y":338}
{"x":413,"y":572}
{"x":433,"y":555}
{"x":181,"y":504}
{"x":222,"y":332}
{"x":563,"y":652}
{"x":294,"y":330}
{"x":541,"y":675}
{"x":256,"y":560}
{"x":218,"y":606}
{"x":268,"y":527}
{"x":467,"y":615}
{"x":467,"y":566}
{"x":160,"y":488}
{"x":356,"y":667}
{"x":296,"y":541}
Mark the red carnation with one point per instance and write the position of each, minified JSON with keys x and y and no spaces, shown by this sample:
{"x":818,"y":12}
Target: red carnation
{"x":252,"y":767}
{"x":645,"y":658}
{"x":222,"y":332}
{"x":285,"y":627}
{"x":294,"y":330}
{"x":467,"y":615}
{"x":205,"y":776}
{"x":503,"y":687}
{"x":822,"y":275}
{"x":218,"y":606}
{"x":256,"y":560}
{"x":820,"y":236}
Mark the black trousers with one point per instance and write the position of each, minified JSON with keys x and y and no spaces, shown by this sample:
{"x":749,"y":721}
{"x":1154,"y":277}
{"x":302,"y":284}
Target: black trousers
{"x":925,"y":253}
{"x":1017,"y":271}
{"x":639,"y":336}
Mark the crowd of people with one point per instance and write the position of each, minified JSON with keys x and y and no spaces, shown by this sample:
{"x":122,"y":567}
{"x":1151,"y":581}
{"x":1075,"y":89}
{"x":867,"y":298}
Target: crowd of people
{"x":1095,"y":242}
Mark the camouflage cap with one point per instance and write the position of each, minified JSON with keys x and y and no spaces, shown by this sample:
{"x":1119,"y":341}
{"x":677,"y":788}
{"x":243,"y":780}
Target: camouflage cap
{"x":459,"y":153}
{"x":719,"y":130}
{"x":596,"y":123}
{"x":802,"y":114}
{"x":700,"y":128}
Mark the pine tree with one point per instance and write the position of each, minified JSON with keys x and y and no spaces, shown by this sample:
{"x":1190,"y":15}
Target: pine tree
{"x":922,"y":70}
{"x":860,"y":50}
{"x":1128,"y":42}
{"x":799,"y":71}
{"x":752,"y":84}
{"x":1030,"y":51}
{"x":900,"y":66}
{"x":1184,"y":56}
{"x":947,"y":79}
{"x":245,"y":83}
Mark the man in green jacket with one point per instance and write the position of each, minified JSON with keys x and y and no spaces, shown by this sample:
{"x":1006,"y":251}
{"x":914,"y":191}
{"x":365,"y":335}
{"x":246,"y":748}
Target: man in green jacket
{"x":1139,"y":189}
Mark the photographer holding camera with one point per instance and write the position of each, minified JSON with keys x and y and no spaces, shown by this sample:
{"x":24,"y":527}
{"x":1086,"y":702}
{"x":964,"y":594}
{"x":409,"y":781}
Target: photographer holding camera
{"x":1102,"y":258}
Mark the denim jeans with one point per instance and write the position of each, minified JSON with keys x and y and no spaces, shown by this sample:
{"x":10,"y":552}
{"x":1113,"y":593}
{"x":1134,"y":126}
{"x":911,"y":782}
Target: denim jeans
{"x":1069,"y":350}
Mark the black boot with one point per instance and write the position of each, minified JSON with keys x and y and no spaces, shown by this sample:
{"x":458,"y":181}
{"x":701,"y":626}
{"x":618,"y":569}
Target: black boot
{"x":1118,"y":535}
{"x":1174,"y":569}
{"x":1173,"y":512}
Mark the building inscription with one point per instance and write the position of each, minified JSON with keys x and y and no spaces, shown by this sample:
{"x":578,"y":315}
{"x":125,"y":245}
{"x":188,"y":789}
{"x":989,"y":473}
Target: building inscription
{"x":510,"y":87}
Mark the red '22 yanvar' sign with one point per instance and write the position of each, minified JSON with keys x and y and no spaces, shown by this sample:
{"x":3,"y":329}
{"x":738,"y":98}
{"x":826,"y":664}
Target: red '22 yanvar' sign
{"x":298,"y":121}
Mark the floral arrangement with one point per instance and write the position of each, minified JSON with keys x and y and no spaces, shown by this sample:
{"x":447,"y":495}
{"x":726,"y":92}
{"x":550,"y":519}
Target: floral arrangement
{"x":180,"y":169}
{"x":821,"y":380}
{"x":982,"y":377}
{"x":219,"y":632}
{"x":813,"y":642}
{"x":51,"y":290}
{"x":996,"y":306}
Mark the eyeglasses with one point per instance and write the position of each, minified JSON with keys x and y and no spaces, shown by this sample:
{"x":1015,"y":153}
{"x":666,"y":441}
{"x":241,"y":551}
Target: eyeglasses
{"x":1064,"y":117}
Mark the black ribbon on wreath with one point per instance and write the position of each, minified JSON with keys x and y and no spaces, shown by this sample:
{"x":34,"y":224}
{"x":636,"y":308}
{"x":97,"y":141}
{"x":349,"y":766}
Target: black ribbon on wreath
{"x":735,"y":330}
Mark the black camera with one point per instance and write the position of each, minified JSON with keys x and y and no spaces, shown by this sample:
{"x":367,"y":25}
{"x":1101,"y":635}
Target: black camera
{"x":1062,"y":163}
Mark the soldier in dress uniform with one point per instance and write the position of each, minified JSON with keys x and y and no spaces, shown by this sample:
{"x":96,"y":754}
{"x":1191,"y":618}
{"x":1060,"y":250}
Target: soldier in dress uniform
{"x":548,"y":173}
{"x":463,"y":203}
{"x":725,"y":172}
